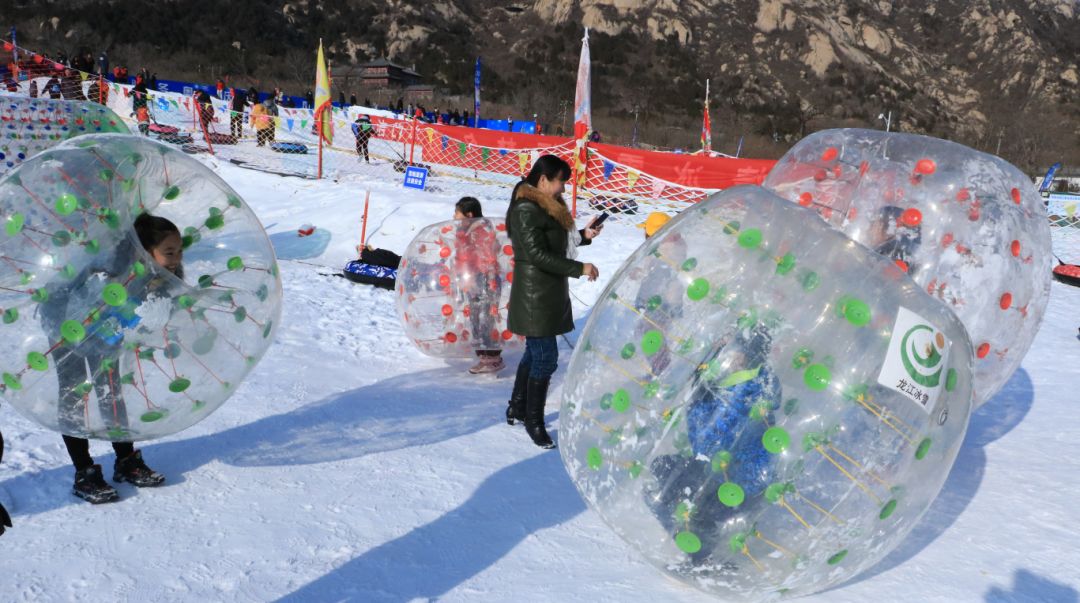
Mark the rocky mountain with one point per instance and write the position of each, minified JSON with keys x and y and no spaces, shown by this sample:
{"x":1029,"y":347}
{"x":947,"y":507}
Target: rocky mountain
{"x":1001,"y":75}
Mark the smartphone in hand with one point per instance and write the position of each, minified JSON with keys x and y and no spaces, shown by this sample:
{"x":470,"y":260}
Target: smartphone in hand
{"x":598,"y":220}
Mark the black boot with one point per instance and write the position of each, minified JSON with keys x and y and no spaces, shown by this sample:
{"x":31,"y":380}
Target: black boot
{"x":91,"y":487}
{"x":515,"y":408}
{"x":133,"y":470}
{"x":535,"y":399}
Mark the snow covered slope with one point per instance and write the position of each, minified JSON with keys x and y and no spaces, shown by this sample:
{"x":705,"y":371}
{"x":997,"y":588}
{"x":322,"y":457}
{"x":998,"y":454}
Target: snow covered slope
{"x":350,"y":467}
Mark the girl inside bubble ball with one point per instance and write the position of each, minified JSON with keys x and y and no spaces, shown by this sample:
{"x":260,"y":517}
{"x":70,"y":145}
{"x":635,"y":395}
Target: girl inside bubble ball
{"x":474,"y":259}
{"x":100,"y":352}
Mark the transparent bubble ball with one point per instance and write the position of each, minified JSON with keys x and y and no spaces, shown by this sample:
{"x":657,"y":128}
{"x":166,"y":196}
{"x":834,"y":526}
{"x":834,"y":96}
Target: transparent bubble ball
{"x":970,"y":228}
{"x":453,"y":288}
{"x":761,"y":406}
{"x":100,"y":340}
{"x":31,"y":125}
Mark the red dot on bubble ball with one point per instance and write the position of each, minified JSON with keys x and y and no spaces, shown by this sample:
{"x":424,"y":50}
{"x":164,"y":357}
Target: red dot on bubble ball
{"x":444,"y":252}
{"x":466,"y":311}
{"x":829,"y":154}
{"x":500,"y":227}
{"x":508,"y":249}
{"x":447,"y":310}
{"x":1006,"y":301}
{"x":507,"y":335}
{"x":863,"y":167}
{"x":820,"y":175}
{"x":911,"y":217}
{"x":450,"y":337}
{"x":806,"y":199}
{"x":963,"y":194}
{"x":509,"y":277}
{"x":495,"y":334}
{"x":902,"y":265}
{"x":947,"y":239}
{"x":1016,"y":196}
{"x":1015,"y":249}
{"x":446,"y":229}
{"x":925,"y":167}
{"x":983,"y":350}
{"x":444,"y":280}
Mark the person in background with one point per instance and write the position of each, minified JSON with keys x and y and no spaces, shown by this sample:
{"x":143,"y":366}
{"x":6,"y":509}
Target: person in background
{"x":237,"y":105}
{"x":654,"y":222}
{"x":220,"y":89}
{"x":260,"y":121}
{"x":545,"y":241}
{"x":363,"y":131}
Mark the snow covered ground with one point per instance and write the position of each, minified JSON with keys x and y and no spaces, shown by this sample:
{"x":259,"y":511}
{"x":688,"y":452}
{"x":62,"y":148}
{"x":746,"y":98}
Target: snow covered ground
{"x":350,"y":467}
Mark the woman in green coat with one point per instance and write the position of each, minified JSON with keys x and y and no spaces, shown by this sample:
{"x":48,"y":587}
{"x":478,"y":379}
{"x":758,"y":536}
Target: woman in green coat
{"x":545,"y":239}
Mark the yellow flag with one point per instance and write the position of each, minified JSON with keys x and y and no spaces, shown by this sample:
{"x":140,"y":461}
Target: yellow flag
{"x":323,"y":109}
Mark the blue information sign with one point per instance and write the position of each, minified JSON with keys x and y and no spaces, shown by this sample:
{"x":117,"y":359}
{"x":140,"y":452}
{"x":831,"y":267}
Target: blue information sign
{"x":415,"y":177}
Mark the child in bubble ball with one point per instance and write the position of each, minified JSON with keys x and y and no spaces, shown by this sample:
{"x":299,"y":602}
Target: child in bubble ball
{"x":476,"y":254}
{"x":733,"y":400}
{"x":100,"y":353}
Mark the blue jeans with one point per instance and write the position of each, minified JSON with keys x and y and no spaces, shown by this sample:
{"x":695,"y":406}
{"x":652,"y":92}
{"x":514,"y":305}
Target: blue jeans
{"x":541,"y":357}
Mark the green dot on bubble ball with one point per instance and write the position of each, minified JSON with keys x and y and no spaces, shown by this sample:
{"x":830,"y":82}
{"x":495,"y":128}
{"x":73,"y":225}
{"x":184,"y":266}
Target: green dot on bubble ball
{"x":66,"y":204}
{"x":731,"y":228}
{"x":737,"y":543}
{"x":786,"y":264}
{"x":688,"y":542}
{"x":651,"y":342}
{"x":61,"y":238}
{"x":171,"y":193}
{"x":698,"y":289}
{"x":127,"y":185}
{"x":138,"y":269}
{"x":775,"y":440}
{"x":950,"y":380}
{"x":856,"y":311}
{"x":654,"y":302}
{"x":730,"y":494}
{"x":689,"y":264}
{"x":105,"y":175}
{"x":92,"y":246}
{"x":40,"y":296}
{"x":185,"y":301}
{"x":266,"y":330}
{"x":72,"y":331}
{"x":774,"y":492}
{"x":721,"y":461}
{"x":235,"y":263}
{"x":888,"y":509}
{"x":594,"y":458}
{"x":837,"y":558}
{"x":817,"y":377}
{"x":179,"y":384}
{"x":651,"y":390}
{"x":233,"y":201}
{"x":620,"y":402}
{"x":10,"y":315}
{"x":198,"y":405}
{"x":215,"y":222}
{"x":151,"y":416}
{"x":14,"y":224}
{"x":605,"y":401}
{"x":810,"y":281}
{"x":924,"y":447}
{"x":240,"y":314}
{"x":12,"y":382}
{"x":635,"y":469}
{"x":114,"y":294}
{"x":750,"y":238}
{"x":37,"y":361}
{"x":627,"y":351}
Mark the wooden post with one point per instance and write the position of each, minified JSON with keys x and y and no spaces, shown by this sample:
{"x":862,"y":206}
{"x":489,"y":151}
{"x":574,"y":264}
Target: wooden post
{"x":363,"y":223}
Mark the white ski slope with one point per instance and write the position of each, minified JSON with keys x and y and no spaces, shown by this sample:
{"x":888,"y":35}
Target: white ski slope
{"x":350,"y":467}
